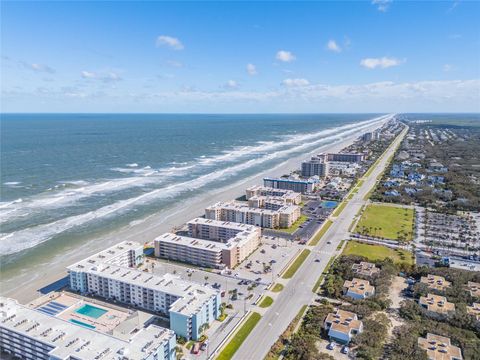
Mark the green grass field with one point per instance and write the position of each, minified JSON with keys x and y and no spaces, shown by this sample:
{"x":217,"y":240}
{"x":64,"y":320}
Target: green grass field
{"x":386,"y":221}
{"x":296,"y":224}
{"x":239,"y":337}
{"x":296,"y":264}
{"x":378,"y":252}
{"x":277,"y":288}
{"x":266,"y":302}
{"x":322,"y":232}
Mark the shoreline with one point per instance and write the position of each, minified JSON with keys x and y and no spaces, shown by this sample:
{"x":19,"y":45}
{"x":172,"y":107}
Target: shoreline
{"x":145,"y":230}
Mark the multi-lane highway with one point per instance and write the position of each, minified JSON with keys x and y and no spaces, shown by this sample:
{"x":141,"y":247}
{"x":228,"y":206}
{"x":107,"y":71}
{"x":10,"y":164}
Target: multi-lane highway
{"x":298,"y":291}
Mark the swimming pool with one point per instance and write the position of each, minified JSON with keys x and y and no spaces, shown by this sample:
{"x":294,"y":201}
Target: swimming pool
{"x":91,"y":311}
{"x":82,"y":324}
{"x":329,"y":204}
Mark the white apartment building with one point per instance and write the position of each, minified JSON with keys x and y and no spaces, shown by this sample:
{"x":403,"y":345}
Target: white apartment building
{"x":290,"y":197}
{"x":101,"y":275}
{"x":233,"y":211}
{"x":30,"y":334}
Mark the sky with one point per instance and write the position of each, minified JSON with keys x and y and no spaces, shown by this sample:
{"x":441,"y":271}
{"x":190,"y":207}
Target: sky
{"x":240,"y":57}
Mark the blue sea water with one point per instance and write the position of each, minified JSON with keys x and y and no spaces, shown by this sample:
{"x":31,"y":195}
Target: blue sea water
{"x":65,"y":176}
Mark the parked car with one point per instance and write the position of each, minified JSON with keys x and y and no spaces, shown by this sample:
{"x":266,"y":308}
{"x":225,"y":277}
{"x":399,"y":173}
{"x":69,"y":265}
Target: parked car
{"x":317,"y":260}
{"x":345,"y":350}
{"x":331,"y":346}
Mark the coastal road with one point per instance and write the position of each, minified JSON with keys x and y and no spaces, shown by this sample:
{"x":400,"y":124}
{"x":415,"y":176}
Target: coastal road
{"x":298,"y":291}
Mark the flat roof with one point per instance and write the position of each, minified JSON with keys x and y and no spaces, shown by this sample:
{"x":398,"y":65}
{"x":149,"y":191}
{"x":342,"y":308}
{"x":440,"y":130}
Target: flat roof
{"x":437,"y":303}
{"x":68,"y":338}
{"x":343,"y":321}
{"x":439,"y":347}
{"x":358,"y":286}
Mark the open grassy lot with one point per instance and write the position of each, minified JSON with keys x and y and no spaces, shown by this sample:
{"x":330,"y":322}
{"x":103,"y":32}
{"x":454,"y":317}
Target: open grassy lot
{"x":296,"y":224}
{"x":322,"y":232}
{"x":266,"y":302}
{"x":239,"y":337}
{"x":296,"y":264}
{"x":378,"y":252}
{"x":386,"y":221}
{"x":277,"y":288}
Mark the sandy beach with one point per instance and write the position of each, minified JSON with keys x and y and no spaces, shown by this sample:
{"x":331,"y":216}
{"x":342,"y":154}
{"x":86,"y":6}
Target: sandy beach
{"x":25,"y":285}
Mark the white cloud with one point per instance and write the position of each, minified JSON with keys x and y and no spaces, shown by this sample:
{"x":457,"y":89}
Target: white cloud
{"x":285,"y":56}
{"x":333,"y":46}
{"x":251,"y":69}
{"x":170,"y":41}
{"x":105,"y":77}
{"x":295,"y":82}
{"x":382,"y":63}
{"x":40,"y":68}
{"x":382,"y":5}
{"x":231,"y":84}
{"x":448,"y":67}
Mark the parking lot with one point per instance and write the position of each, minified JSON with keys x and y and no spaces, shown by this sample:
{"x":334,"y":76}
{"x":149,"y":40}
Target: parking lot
{"x":268,"y":260}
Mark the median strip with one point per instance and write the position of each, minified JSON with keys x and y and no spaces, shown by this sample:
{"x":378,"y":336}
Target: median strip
{"x":239,"y":337}
{"x":296,"y":264}
{"x":326,"y":225}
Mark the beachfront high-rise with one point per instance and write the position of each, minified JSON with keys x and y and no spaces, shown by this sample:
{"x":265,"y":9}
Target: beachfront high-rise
{"x":210,"y":243}
{"x":299,"y":186}
{"x":315,"y":167}
{"x":112,"y":274}
{"x":31,"y":334}
{"x":283,"y":217}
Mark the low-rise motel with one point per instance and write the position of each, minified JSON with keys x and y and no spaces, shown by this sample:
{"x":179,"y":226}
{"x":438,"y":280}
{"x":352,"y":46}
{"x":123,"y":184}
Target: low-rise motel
{"x":211,"y":243}
{"x":439,"y":348}
{"x":112,"y":274}
{"x":342,"y":326}
{"x":28,"y":333}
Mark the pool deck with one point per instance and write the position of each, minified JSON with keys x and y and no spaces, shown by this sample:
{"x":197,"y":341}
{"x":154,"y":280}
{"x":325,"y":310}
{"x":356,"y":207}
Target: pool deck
{"x":105,"y":323}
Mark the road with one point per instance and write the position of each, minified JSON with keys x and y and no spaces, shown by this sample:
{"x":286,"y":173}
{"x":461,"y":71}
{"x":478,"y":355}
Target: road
{"x":298,"y":291}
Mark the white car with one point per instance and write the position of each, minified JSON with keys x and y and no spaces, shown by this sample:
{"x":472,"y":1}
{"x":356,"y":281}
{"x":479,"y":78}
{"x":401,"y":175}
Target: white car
{"x":331,"y":346}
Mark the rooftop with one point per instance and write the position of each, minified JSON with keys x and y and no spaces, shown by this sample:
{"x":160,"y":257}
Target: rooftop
{"x":439,"y":347}
{"x":359,"y":286}
{"x":365,"y":268}
{"x":436,"y":303}
{"x":343,"y":321}
{"x":435,"y":282}
{"x":67,"y":338}
{"x":474,"y":310}
{"x":474,"y":289}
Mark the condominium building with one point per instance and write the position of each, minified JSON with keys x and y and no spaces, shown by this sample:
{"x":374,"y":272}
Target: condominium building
{"x":435,"y":282}
{"x":283,"y":217}
{"x":436,"y":304}
{"x":221,"y":243}
{"x":342,"y":326}
{"x":290,"y":197}
{"x":300,"y":186}
{"x":315,"y":167}
{"x":30,"y":334}
{"x":358,"y":288}
{"x":188,"y":304}
{"x":439,"y":348}
{"x":342,"y":157}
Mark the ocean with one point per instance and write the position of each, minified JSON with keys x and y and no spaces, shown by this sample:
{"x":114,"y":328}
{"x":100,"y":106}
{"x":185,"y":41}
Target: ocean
{"x":66,"y":178}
